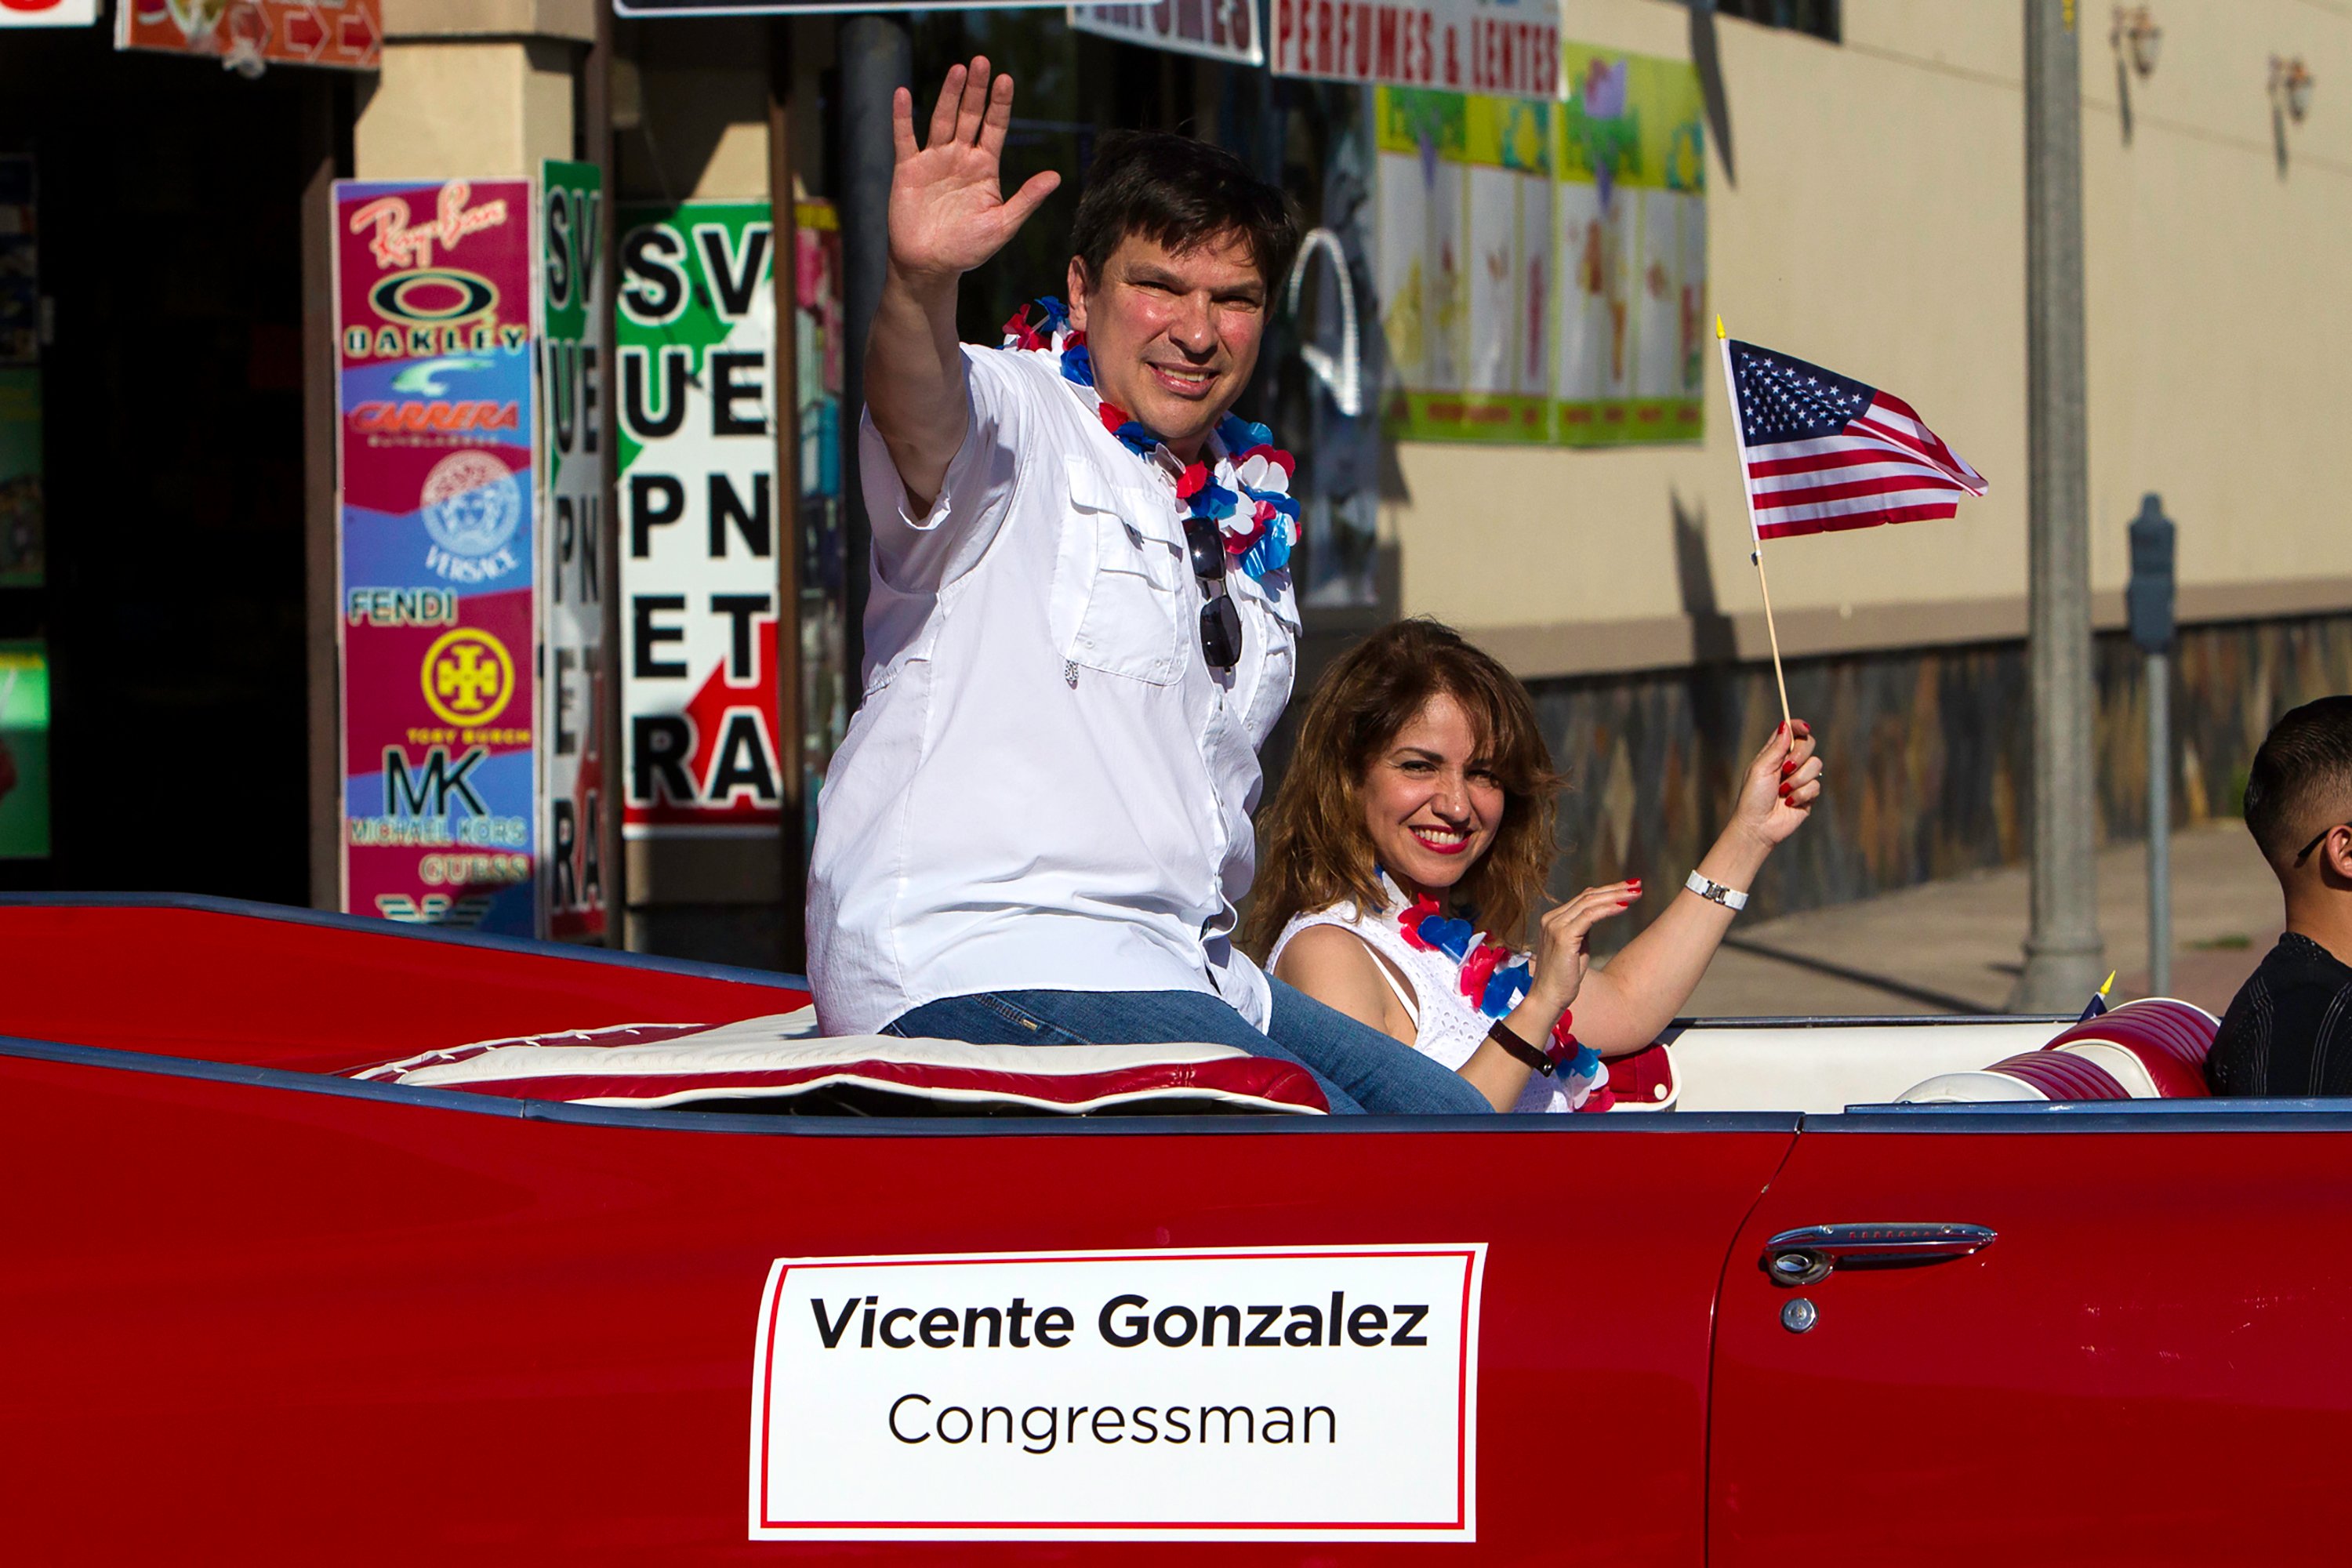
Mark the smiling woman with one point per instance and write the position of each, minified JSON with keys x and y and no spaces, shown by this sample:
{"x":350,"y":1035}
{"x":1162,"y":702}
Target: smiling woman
{"x":1419,"y":806}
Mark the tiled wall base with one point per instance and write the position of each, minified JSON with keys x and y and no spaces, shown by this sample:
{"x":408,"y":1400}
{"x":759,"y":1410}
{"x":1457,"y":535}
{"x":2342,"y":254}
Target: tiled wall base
{"x":1927,"y":751}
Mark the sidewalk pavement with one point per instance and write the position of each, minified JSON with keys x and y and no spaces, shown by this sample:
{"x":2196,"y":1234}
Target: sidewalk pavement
{"x":1956,"y":946}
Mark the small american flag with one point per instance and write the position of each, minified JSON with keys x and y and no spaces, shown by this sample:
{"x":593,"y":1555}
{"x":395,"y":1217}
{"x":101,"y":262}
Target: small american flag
{"x":1823,"y":453}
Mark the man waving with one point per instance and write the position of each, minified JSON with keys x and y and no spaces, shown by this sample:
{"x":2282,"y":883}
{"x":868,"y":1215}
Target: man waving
{"x":1081,"y":626}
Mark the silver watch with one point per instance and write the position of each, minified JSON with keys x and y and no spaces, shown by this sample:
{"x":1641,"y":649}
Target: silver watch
{"x":1730,"y":897}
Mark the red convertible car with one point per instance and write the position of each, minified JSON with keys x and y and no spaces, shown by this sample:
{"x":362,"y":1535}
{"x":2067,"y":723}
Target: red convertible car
{"x":330,"y":1241}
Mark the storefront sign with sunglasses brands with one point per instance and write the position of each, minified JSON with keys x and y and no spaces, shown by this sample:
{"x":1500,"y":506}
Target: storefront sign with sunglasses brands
{"x":438,"y":622}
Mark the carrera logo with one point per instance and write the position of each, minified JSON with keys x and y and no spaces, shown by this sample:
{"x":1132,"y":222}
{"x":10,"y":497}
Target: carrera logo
{"x":398,"y":243}
{"x":383,"y":417}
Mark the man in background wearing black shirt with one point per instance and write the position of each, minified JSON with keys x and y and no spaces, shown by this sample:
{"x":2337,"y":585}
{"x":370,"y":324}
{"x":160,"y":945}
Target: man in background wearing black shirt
{"x":2288,"y":1032}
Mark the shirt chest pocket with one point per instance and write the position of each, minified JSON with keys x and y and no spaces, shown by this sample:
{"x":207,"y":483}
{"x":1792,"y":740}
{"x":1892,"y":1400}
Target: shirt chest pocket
{"x":1131,"y":622}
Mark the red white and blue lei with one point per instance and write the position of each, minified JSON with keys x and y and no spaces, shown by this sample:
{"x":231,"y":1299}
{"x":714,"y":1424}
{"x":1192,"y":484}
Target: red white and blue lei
{"x":1259,"y":535}
{"x":1495,"y":981}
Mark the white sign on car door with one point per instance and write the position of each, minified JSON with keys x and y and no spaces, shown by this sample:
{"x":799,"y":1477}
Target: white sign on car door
{"x":1243,"y":1393}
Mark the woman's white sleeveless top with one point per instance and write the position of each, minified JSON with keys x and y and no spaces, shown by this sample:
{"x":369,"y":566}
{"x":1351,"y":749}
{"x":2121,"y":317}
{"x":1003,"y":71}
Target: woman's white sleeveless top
{"x":1447,"y":1027}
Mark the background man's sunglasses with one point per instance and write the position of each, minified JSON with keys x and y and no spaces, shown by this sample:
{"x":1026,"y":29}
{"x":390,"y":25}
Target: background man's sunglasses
{"x":2321,"y":839}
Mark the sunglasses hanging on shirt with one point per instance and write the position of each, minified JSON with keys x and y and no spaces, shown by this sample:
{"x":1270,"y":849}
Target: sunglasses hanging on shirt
{"x":1221,"y":623}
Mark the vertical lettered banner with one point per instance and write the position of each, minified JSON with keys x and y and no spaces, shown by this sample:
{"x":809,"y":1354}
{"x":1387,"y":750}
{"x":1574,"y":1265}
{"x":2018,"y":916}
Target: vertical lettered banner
{"x":436,"y":414}
{"x":700,"y":523}
{"x":573,"y":303}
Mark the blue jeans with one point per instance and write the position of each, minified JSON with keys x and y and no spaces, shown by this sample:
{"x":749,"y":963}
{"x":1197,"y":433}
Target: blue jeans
{"x":1359,"y":1069}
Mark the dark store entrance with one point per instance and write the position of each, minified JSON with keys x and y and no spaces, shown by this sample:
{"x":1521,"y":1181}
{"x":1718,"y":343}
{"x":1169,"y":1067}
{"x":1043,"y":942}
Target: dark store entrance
{"x":165,"y":599}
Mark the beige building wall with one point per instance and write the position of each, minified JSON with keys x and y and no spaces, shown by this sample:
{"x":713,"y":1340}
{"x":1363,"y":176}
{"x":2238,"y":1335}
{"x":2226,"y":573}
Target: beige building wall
{"x":471,"y":87}
{"x":1877,"y":227}
{"x":693,"y":110}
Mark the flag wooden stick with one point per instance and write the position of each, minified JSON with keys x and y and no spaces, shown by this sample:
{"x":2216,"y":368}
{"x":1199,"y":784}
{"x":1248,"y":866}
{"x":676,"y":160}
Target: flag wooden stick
{"x":1772,"y":631}
{"x":1755,"y":534}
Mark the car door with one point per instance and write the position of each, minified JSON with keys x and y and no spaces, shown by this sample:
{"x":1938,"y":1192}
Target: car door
{"x":2106,"y":1336}
{"x":265,"y":1317}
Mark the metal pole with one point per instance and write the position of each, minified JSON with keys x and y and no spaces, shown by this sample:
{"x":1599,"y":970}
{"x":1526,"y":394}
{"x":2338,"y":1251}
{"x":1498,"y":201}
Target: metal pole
{"x":320,"y":152}
{"x":2159,"y":824}
{"x":2063,"y":950}
{"x":792,"y":691}
{"x":878,"y":57}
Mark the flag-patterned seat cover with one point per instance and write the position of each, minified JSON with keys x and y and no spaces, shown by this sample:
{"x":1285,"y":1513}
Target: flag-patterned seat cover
{"x":781,"y":1063}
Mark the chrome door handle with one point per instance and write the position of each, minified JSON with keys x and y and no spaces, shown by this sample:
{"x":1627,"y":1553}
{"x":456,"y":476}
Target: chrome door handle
{"x":1802,"y":1257}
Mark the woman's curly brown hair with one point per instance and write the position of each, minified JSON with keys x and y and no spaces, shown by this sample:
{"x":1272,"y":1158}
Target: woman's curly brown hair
{"x":1313,"y":849}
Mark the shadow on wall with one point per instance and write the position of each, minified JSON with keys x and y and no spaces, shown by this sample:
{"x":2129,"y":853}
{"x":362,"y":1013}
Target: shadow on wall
{"x":1713,"y":641}
{"x":1927,"y":754}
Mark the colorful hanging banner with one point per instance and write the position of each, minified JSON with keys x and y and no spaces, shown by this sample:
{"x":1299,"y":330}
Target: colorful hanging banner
{"x":1633,"y":250}
{"x":1214,"y":29}
{"x":1504,"y":47}
{"x":249,"y":35}
{"x":700,"y":523}
{"x":1542,"y":267}
{"x":434,"y":285}
{"x":574,"y":568}
{"x":1466,"y":263}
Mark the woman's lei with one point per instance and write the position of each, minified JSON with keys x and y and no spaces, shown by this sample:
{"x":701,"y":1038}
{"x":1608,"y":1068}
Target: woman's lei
{"x":1259,"y":536}
{"x":1495,"y":982}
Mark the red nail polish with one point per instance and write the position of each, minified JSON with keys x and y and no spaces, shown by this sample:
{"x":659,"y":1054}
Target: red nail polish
{"x":1782,"y":728}
{"x":1787,"y":768}
{"x":1784,"y":792}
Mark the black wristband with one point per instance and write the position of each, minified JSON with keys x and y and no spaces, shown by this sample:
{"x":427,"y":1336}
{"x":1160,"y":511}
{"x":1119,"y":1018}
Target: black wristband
{"x":1502,"y":1036}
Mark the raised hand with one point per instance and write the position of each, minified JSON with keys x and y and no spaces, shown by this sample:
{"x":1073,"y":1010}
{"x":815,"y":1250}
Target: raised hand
{"x":948,"y":208}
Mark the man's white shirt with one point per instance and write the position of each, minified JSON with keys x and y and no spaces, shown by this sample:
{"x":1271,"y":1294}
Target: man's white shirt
{"x":1046,"y":786}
